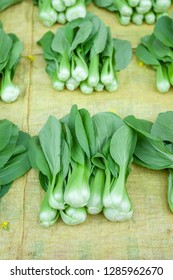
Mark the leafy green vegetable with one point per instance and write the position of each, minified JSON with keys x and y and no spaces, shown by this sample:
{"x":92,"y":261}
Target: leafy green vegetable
{"x":14,"y":161}
{"x":61,"y":11}
{"x":10,"y":54}
{"x":83,"y":54}
{"x":156,"y":50}
{"x":154,"y":145}
{"x":83,"y":165}
{"x":136,"y":11}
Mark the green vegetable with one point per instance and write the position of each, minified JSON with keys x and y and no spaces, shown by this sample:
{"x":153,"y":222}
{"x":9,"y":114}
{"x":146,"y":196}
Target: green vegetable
{"x":156,"y":50}
{"x":14,"y":160}
{"x":115,"y":198}
{"x":61,"y":11}
{"x":4,"y":4}
{"x":49,"y":154}
{"x":154,"y":149}
{"x":73,"y":216}
{"x":83,"y":165}
{"x":76,"y":53}
{"x":10,"y":54}
{"x":47,"y":14}
{"x":136,"y":11}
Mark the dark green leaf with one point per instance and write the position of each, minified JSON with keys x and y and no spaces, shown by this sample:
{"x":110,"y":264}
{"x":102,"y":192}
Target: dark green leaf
{"x":5,"y":133}
{"x":4,"y":189}
{"x":14,"y":168}
{"x":50,"y":140}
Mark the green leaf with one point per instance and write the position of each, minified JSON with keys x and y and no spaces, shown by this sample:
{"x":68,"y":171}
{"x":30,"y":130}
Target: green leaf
{"x":14,"y":168}
{"x":65,"y":158}
{"x":4,"y":189}
{"x":81,"y":134}
{"x":82,"y":34}
{"x":5,"y":133}
{"x":145,"y":56}
{"x":5,"y":45}
{"x":100,"y":39}
{"x":105,"y":124}
{"x":50,"y":140}
{"x":7,"y":152}
{"x":163,"y":30}
{"x":89,"y":129}
{"x":37,"y":158}
{"x":15,"y":52}
{"x":44,"y":181}
{"x":62,"y":40}
{"x":123,"y":53}
{"x":170,"y":189}
{"x":153,"y":154}
{"x":122,"y":146}
{"x":45,"y":42}
{"x":163,"y":126}
{"x":4,"y":4}
{"x":140,"y":125}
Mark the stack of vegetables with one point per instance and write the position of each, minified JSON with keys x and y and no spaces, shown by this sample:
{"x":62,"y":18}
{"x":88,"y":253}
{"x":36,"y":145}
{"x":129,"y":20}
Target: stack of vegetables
{"x":154,"y":148}
{"x":14,"y":160}
{"x":156,"y":50}
{"x":136,"y":11}
{"x":10,"y":54}
{"x":83,"y":165}
{"x":4,"y":4}
{"x":83,"y":54}
{"x":61,"y":11}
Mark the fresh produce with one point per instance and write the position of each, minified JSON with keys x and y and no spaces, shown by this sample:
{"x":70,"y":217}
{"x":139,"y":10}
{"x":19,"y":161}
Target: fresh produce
{"x":156,"y":50}
{"x":61,"y":11}
{"x":4,"y":4}
{"x":136,"y":11}
{"x":83,"y":54}
{"x":14,"y":160}
{"x":83,"y":165}
{"x":10,"y":54}
{"x":154,"y":148}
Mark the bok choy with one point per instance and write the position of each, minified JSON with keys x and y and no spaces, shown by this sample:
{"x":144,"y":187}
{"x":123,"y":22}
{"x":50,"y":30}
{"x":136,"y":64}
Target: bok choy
{"x":136,"y":11}
{"x":156,"y":50}
{"x":83,"y":54}
{"x":10,"y":54}
{"x":14,"y":160}
{"x":83,"y":165}
{"x":154,"y":148}
{"x":61,"y":11}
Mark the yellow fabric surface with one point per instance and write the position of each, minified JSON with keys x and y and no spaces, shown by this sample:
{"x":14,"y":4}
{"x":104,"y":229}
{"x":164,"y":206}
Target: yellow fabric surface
{"x":149,"y":234}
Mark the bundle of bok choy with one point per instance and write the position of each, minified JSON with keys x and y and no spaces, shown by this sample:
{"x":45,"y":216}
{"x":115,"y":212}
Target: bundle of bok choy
{"x":154,"y":148}
{"x":136,"y":11}
{"x":10,"y":54}
{"x":156,"y":50}
{"x":83,"y":165}
{"x":83,"y":54}
{"x":61,"y":11}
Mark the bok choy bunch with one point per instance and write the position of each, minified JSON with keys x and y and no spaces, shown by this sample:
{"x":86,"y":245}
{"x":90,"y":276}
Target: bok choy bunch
{"x":154,"y":148}
{"x":4,"y":4}
{"x":115,"y":146}
{"x":83,"y":165}
{"x":10,"y":54}
{"x":61,"y":11}
{"x":156,"y":50}
{"x":83,"y":54}
{"x":14,"y":160}
{"x":136,"y":11}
